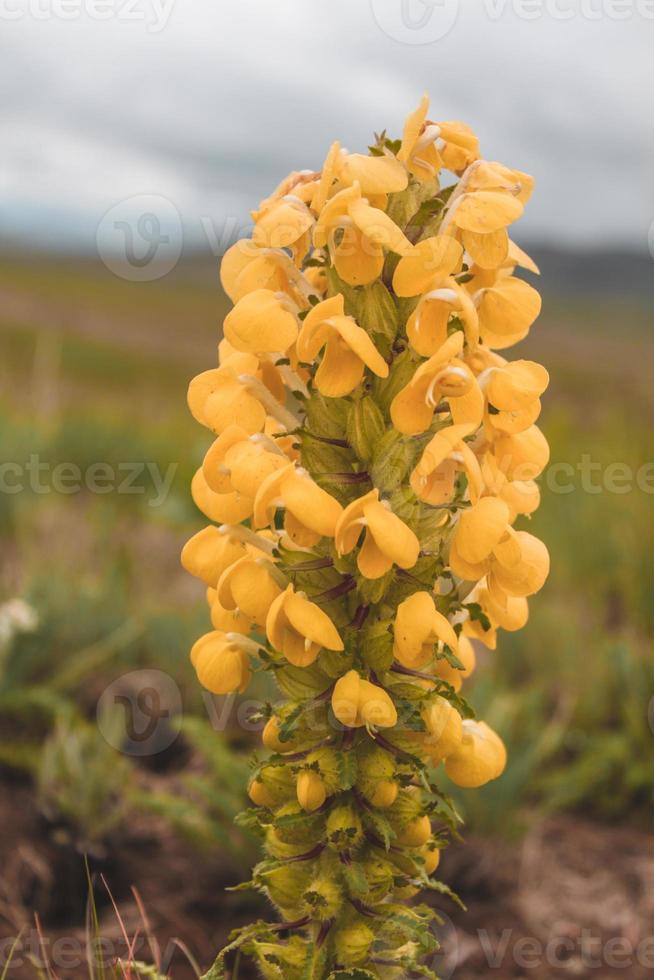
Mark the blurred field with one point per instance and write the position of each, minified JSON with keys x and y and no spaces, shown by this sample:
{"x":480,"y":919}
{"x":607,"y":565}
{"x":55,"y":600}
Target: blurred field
{"x":94,"y":370}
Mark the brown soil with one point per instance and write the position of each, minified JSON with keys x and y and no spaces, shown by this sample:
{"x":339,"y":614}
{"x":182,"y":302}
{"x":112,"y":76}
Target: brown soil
{"x":572,"y":900}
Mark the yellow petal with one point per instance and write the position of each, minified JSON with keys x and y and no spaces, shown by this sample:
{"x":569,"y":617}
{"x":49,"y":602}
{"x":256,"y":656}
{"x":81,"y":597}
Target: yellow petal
{"x":480,"y":528}
{"x":507,"y":310}
{"x":488,"y":251}
{"x":221,"y":668}
{"x":311,"y":622}
{"x":444,"y":727}
{"x":313,"y":506}
{"x":230,"y":403}
{"x":327,"y":177}
{"x":345,"y":699}
{"x":486,"y":211}
{"x":332,"y":214}
{"x":431,"y":259}
{"x":480,"y":757}
{"x":349,"y":527}
{"x":223,"y":508}
{"x":282,"y":225}
{"x":358,"y":261}
{"x":209,"y":553}
{"x":528,"y":575}
{"x":260,"y":323}
{"x":392,"y":536}
{"x":516,"y":385}
{"x":249,"y":465}
{"x":248,"y":586}
{"x":522,"y":456}
{"x":376,"y":706}
{"x":413,"y":626}
{"x":376,"y":175}
{"x":372,"y":562}
{"x":213,"y":466}
{"x":379,"y":228}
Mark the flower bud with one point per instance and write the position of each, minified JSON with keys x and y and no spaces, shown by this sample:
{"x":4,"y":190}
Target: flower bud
{"x":311,"y":792}
{"x":379,"y":875}
{"x":323,"y":899}
{"x":344,"y":830}
{"x":285,"y":887}
{"x":352,"y":943}
{"x":415,"y":833}
{"x":259,"y":794}
{"x":299,"y":828}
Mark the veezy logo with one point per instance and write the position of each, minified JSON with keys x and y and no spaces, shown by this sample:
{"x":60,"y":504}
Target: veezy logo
{"x":415,"y":21}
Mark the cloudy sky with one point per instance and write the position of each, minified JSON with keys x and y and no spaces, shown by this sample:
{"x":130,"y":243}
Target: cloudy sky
{"x":206,"y":104}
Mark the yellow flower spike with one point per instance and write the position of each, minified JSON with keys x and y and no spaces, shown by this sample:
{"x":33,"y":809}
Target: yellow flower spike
{"x":283,"y":224}
{"x":208,"y":553}
{"x":466,"y":654}
{"x":299,"y":629}
{"x":311,"y":791}
{"x":418,"y":627}
{"x":523,"y":455}
{"x":348,"y":348}
{"x":444,"y":377}
{"x":506,"y":311}
{"x":430,"y":260}
{"x":248,"y":586}
{"x":261,"y":322}
{"x":221,"y":666}
{"x":444,"y":456}
{"x":387,"y":541}
{"x":484,"y":212}
{"x":223,"y":508}
{"x":217,"y":399}
{"x":444,"y":727}
{"x":480,"y":757}
{"x":282,"y":409}
{"x":311,"y":506}
{"x":375,"y":175}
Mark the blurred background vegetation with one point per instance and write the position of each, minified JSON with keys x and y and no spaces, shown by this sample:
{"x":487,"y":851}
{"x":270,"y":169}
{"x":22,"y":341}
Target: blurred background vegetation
{"x":95,"y":369}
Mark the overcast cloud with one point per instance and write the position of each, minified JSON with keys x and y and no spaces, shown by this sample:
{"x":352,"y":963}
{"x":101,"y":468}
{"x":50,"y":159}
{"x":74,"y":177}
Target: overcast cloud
{"x":209,"y":103}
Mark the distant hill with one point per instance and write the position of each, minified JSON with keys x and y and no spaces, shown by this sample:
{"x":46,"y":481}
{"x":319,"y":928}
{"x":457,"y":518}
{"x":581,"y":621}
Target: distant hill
{"x":567,"y":272}
{"x":598,"y":272}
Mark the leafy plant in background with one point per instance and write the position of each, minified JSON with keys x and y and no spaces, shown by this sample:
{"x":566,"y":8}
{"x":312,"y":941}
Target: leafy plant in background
{"x":373,"y":451}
